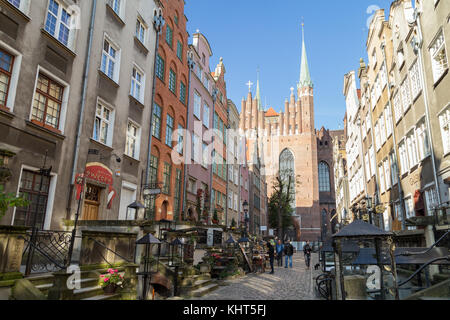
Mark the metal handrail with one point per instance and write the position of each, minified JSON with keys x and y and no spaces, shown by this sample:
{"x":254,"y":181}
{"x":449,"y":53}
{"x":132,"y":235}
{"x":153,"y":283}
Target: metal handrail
{"x":104,"y":246}
{"x":409,"y":253}
{"x":421,"y":268}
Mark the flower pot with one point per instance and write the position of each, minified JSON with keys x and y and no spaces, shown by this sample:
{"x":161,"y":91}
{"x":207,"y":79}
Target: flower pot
{"x":110,"y":289}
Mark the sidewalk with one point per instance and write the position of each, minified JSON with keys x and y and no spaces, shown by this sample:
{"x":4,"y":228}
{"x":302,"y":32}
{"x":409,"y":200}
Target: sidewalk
{"x":286,"y":284}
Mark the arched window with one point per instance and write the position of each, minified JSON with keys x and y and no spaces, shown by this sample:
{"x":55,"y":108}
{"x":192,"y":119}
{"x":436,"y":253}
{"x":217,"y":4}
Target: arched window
{"x":287,"y":168}
{"x":324,"y":177}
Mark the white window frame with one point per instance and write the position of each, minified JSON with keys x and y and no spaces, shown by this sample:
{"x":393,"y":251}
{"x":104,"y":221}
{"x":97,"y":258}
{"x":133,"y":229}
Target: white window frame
{"x":382,"y":129}
{"x":134,"y":82}
{"x":388,"y":119}
{"x":382,"y":181}
{"x":117,"y":59}
{"x":122,"y":6}
{"x":111,"y":121}
{"x":394,"y":168}
{"x":411,"y":144}
{"x":404,"y":162}
{"x":15,"y":72}
{"x":398,"y":108}
{"x":24,"y":6}
{"x":72,"y":31}
{"x":423,"y":141}
{"x":387,"y":173}
{"x":434,"y":51}
{"x":65,"y":99}
{"x":444,"y":122}
{"x":197,"y":105}
{"x":416,"y":81}
{"x":406,"y":95}
{"x":409,"y":206}
{"x":142,"y":27}
{"x":206,"y":114}
{"x":137,"y":139}
{"x":50,"y":199}
{"x":430,"y":199}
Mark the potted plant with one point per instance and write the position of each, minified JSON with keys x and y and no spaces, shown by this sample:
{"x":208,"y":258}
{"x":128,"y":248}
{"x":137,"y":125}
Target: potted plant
{"x":111,"y":281}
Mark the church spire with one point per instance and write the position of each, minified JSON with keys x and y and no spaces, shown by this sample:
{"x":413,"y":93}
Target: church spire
{"x":305,"y":77}
{"x":258,"y":92}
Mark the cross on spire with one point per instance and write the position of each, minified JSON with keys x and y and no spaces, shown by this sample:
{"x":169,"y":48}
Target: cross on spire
{"x":249,"y":84}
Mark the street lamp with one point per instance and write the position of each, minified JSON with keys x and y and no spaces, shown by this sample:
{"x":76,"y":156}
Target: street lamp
{"x":137,"y":205}
{"x":246,"y":217}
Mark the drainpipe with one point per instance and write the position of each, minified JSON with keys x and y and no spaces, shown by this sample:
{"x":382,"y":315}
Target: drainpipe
{"x":83,"y":106}
{"x":429,"y":232}
{"x":158,"y":23}
{"x":228,"y":168}
{"x":212,"y":208}
{"x":377,"y":181}
{"x":191,"y":65}
{"x":394,"y":138}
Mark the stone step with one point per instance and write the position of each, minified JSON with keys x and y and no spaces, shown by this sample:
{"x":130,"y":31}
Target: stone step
{"x":88,"y":292}
{"x":204,"y":290}
{"x":435,"y":298}
{"x":44,"y":287}
{"x":87,"y":282}
{"x":41,"y":279}
{"x":103,"y":297}
{"x":196,"y":285}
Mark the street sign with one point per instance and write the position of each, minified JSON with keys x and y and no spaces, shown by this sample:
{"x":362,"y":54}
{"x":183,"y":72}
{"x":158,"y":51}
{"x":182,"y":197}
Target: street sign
{"x":152,"y":192}
{"x":271,"y":232}
{"x":263,"y":228}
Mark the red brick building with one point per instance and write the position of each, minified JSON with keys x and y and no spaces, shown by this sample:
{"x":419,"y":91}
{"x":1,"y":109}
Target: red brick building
{"x":169,"y":111}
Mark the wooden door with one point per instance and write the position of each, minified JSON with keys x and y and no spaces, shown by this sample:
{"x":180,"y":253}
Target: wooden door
{"x":91,"y":202}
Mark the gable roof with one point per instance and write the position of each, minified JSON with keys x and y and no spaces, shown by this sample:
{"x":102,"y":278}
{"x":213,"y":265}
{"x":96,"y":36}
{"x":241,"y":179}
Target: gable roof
{"x":271,"y":113}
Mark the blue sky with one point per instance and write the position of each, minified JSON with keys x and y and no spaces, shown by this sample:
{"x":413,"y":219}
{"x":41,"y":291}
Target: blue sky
{"x":267,"y":34}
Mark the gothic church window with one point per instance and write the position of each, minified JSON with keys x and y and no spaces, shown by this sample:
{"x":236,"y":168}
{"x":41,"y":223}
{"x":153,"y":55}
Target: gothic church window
{"x":324,"y":177}
{"x":287,"y":168}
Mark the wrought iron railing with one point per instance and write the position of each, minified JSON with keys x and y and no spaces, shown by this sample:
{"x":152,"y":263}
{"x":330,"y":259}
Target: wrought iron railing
{"x":46,"y":251}
{"x":324,"y":285}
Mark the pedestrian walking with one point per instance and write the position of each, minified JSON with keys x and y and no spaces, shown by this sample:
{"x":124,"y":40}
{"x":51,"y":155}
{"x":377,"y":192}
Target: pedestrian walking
{"x":307,"y":252}
{"x":271,"y":253}
{"x":279,"y":249}
{"x":288,"y":252}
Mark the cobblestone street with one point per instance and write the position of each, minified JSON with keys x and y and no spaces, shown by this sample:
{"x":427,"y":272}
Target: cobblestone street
{"x":286,"y":284}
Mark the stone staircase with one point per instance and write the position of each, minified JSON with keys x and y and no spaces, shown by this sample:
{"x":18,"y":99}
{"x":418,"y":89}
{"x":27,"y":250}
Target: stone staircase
{"x":440,"y":291}
{"x":89,"y":287}
{"x":197,"y":286}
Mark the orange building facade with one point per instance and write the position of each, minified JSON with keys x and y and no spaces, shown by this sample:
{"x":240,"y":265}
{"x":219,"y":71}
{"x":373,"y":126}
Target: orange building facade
{"x":169,"y":112}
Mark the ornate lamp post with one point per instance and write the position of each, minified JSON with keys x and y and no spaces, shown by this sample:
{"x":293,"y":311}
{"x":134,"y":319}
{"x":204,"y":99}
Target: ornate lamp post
{"x":246,"y":217}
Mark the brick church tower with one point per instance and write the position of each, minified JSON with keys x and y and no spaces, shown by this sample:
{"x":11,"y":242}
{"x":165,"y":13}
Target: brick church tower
{"x":288,"y":144}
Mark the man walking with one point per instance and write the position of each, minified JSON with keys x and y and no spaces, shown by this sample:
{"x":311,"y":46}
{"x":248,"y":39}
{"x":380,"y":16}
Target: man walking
{"x":307,"y":252}
{"x":289,"y":252}
{"x":279,"y":249}
{"x":271,"y":253}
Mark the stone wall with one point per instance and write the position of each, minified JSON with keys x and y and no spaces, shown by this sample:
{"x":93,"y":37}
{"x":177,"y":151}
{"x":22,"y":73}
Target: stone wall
{"x":93,"y":253}
{"x":11,"y":248}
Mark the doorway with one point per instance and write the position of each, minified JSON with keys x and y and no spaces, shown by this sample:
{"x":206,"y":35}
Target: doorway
{"x":91,"y":206}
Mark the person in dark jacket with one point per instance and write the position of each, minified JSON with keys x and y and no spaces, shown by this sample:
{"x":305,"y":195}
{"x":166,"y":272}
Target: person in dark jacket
{"x":288,"y":252}
{"x":307,"y":252}
{"x":271,"y":253}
